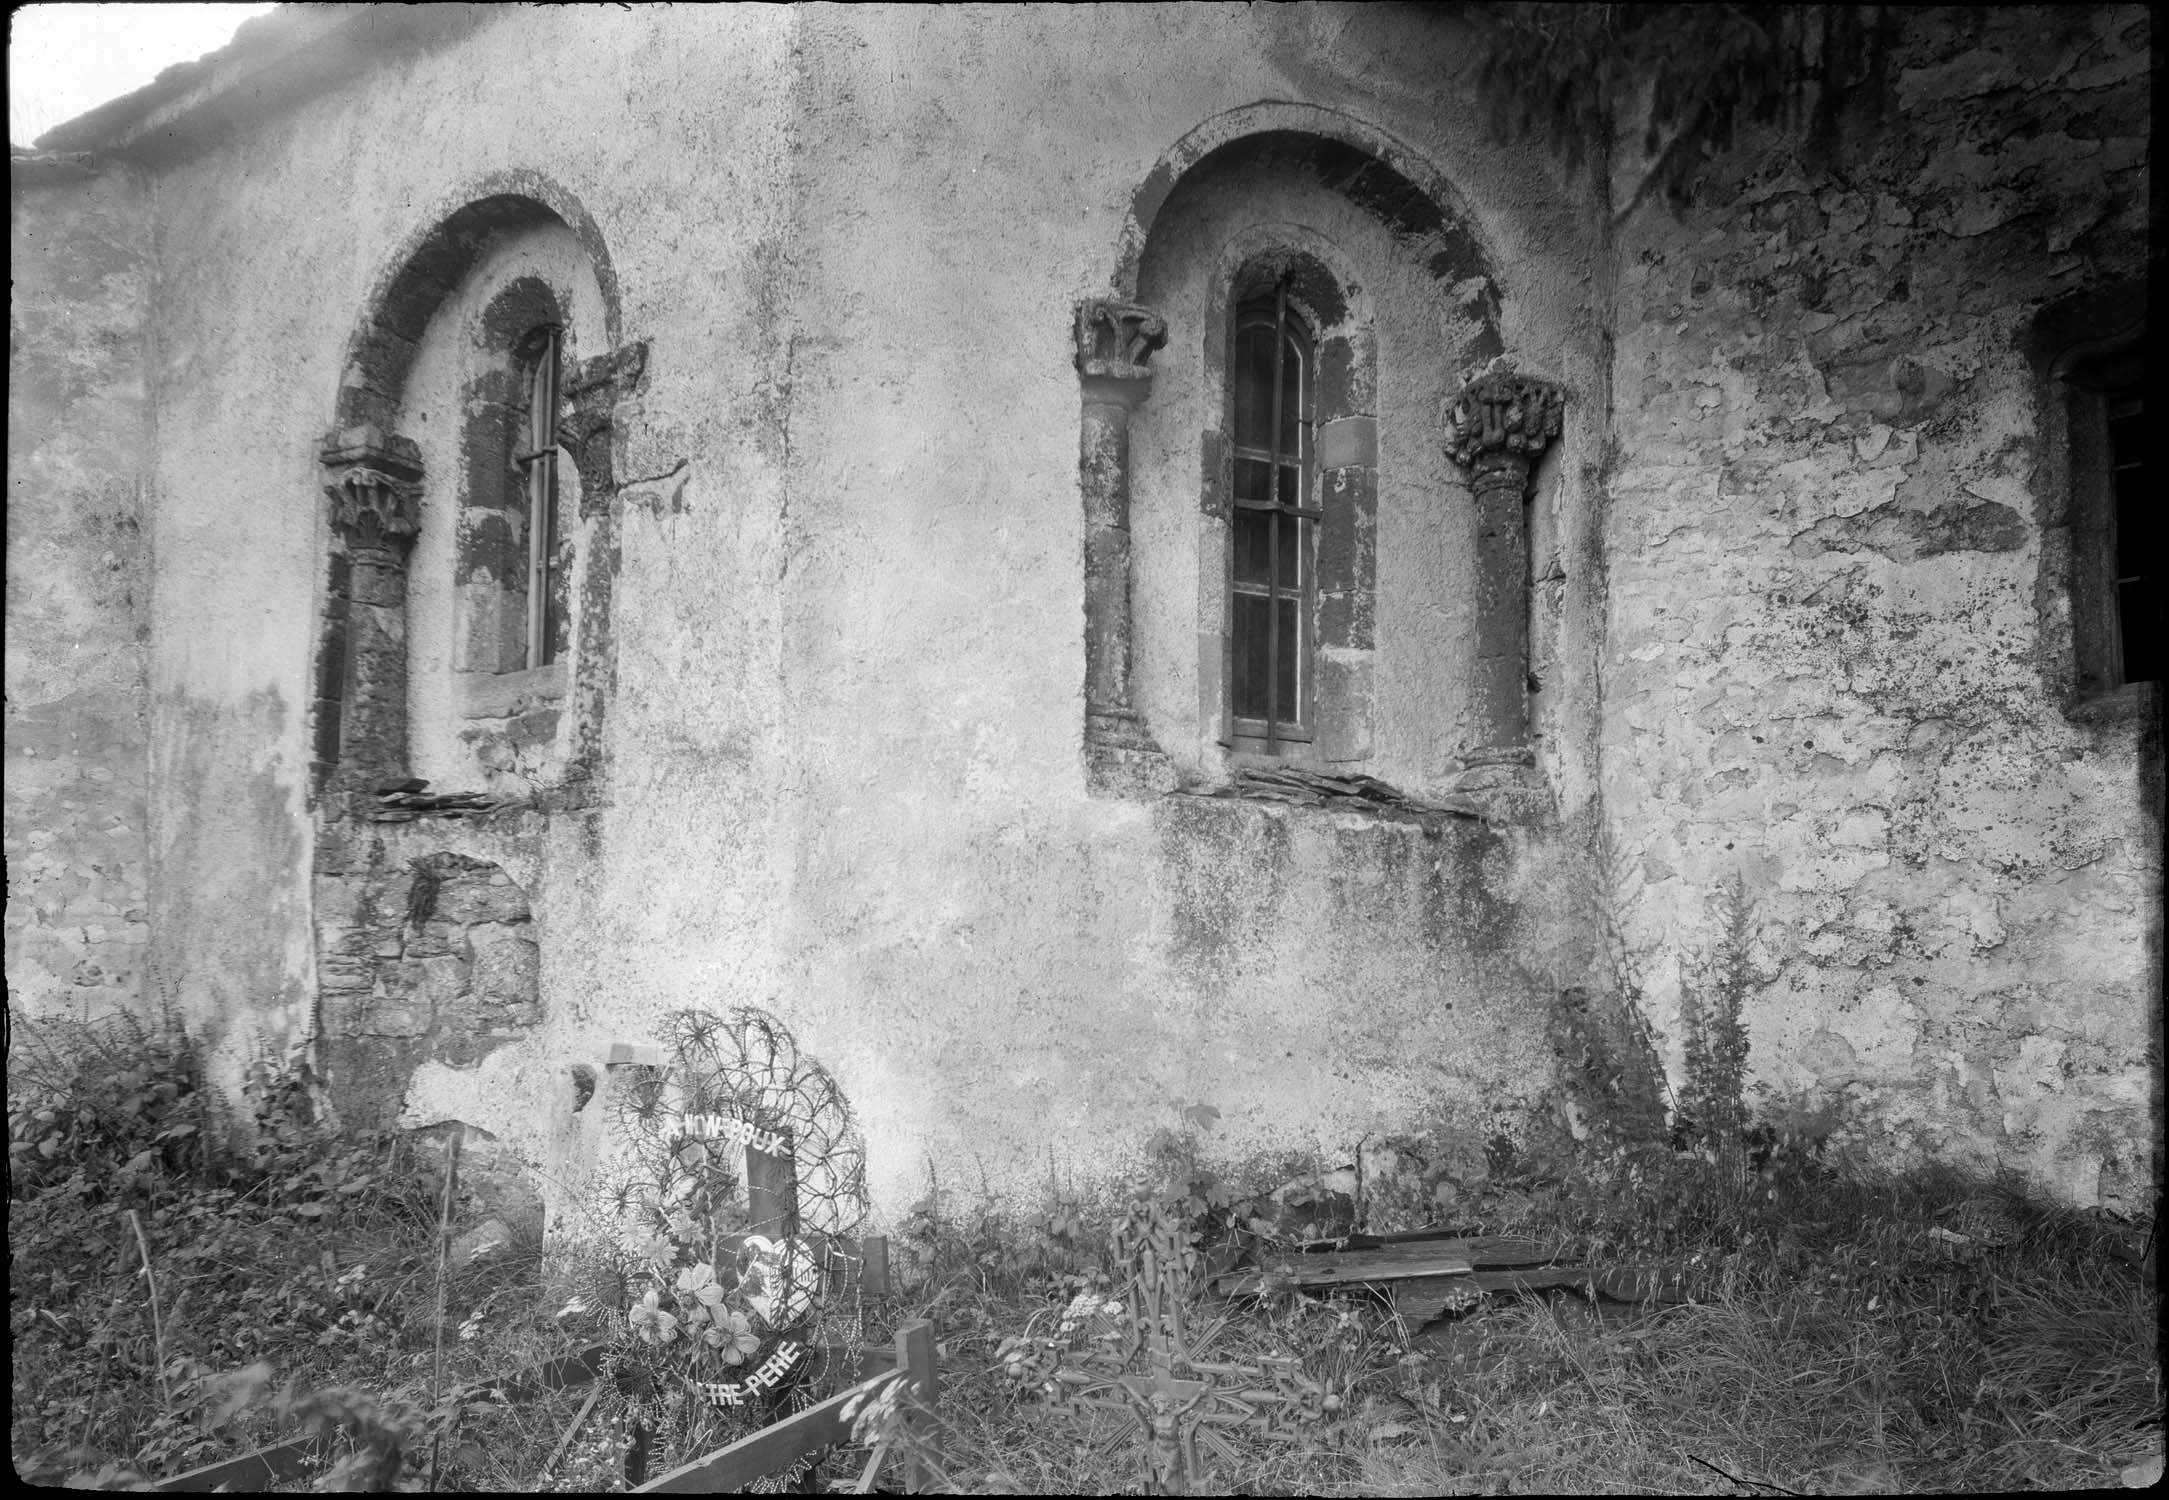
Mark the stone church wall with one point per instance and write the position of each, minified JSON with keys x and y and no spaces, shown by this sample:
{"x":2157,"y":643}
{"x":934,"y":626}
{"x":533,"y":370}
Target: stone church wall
{"x":1791,"y":610}
{"x":78,"y":596}
{"x":1839,"y":662}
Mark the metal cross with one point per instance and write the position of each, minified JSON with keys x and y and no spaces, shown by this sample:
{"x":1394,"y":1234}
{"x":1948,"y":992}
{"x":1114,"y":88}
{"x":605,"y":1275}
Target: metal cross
{"x":1155,"y":1370}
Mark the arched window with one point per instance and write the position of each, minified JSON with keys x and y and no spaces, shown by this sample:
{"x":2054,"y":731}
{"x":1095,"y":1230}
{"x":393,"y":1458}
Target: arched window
{"x":1272,"y":559}
{"x":538,"y":463}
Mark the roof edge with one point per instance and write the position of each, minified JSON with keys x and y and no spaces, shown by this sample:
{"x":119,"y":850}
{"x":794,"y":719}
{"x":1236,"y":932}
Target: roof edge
{"x":272,"y":61}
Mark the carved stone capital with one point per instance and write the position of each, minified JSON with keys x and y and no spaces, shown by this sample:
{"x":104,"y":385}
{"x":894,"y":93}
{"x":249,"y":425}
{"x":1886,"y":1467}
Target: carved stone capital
{"x":375,"y":487}
{"x":1501,"y":410}
{"x":615,"y":375}
{"x":588,"y":421}
{"x":1116,"y":340}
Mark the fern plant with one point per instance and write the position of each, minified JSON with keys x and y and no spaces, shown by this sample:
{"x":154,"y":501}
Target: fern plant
{"x":1714,"y":1033}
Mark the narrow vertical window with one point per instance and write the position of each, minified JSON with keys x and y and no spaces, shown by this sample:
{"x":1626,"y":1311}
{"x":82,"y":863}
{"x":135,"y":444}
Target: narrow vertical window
{"x":1273,"y":546}
{"x":539,"y":464}
{"x":2136,"y":544}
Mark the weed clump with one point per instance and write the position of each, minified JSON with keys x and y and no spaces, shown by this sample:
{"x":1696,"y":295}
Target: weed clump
{"x":174,"y":1283}
{"x":1774,"y":1315}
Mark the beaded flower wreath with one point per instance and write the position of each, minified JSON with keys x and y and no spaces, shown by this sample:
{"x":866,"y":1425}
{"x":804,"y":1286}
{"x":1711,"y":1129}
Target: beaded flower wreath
{"x":738,"y":1176}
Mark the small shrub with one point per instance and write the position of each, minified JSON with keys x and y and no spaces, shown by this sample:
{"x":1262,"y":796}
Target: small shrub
{"x":1712,"y":1003}
{"x":108,"y":1102}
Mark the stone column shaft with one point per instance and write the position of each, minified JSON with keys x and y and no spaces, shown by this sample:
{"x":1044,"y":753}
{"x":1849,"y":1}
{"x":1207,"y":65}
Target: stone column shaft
{"x":1497,"y":426}
{"x":1114,"y":341}
{"x":1501,"y":486}
{"x":374,"y":485}
{"x":1103,"y":463}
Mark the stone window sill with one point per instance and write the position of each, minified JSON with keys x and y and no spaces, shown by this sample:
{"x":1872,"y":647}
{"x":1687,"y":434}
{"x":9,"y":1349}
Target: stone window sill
{"x":2132,"y":704}
{"x":507,"y":695}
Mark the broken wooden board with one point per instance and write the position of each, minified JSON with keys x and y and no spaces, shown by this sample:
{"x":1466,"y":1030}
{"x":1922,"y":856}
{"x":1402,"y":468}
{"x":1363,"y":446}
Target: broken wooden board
{"x":1425,"y":1275}
{"x":1420,"y":1299}
{"x":1382,"y":1261}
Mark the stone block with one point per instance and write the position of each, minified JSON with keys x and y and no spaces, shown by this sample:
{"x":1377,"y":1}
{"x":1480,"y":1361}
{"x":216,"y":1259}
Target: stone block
{"x":465,"y":902}
{"x":506,"y":965}
{"x":1348,"y":442}
{"x":1347,"y":377}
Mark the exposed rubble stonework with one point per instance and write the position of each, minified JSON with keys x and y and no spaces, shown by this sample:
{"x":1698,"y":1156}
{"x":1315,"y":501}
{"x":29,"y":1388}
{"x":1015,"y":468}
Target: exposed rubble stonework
{"x":422,"y":956}
{"x":1837,"y":657}
{"x":890,"y":594}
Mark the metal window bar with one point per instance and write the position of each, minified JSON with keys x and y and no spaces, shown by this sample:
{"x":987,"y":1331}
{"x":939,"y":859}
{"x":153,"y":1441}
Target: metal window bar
{"x":540,"y":466}
{"x":1280,"y":715}
{"x":2132,"y":561}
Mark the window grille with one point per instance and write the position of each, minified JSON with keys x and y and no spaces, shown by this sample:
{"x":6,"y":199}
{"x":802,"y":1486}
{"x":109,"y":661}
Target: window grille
{"x":2137,"y":563}
{"x":539,"y":463}
{"x":1272,"y":581}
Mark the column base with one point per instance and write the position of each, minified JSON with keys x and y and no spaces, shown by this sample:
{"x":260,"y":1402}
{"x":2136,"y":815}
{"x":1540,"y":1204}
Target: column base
{"x":1120,"y":758}
{"x":1497,"y":767}
{"x":1505,"y":782}
{"x":1120,"y":728}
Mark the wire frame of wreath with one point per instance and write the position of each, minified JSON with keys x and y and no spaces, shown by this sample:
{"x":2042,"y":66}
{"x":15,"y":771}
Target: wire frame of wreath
{"x":741,"y":1171}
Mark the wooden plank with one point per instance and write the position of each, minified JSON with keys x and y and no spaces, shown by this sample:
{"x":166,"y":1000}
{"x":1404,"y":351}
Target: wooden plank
{"x":1345,"y":1270}
{"x":1381,"y":1260}
{"x":874,"y":1272}
{"x":1423,"y":1298}
{"x":915,"y":1356}
{"x":772,"y":1191}
{"x":733,"y":1469}
{"x":248,"y":1474}
{"x":1489,"y":1252}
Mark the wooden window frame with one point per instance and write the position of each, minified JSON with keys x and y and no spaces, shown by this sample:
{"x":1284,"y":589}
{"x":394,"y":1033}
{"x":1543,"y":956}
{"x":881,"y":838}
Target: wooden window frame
{"x":538,"y":466}
{"x":1269,"y":733}
{"x":2098,"y":391}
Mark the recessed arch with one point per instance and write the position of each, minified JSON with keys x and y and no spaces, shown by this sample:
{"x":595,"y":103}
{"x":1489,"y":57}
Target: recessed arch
{"x":374,"y":471}
{"x":428,"y":268}
{"x":1379,"y":174}
{"x":1410,"y":581}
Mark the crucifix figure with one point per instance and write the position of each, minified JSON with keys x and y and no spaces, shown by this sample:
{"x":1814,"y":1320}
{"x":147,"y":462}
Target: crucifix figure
{"x":1170,"y":1449}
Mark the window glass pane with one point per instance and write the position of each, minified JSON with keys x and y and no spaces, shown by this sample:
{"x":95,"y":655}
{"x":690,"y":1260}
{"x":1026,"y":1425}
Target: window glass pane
{"x":1253,"y":378}
{"x":2134,"y":543}
{"x":1291,"y":551}
{"x":1291,"y":400}
{"x":2138,"y":541}
{"x":1290,"y":612}
{"x":1253,"y":541}
{"x":1247,"y":658}
{"x":542,"y":397}
{"x":1253,"y":479}
{"x":1291,"y":485}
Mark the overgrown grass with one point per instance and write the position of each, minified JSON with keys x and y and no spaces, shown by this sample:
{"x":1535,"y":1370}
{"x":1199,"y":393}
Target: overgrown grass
{"x":291,"y":1268}
{"x":1835,"y":1341}
{"x":1841,"y":1329}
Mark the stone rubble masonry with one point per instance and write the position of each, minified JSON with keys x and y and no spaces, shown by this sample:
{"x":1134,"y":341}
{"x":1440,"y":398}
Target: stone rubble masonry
{"x":1837,"y":654}
{"x":425,"y":955}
